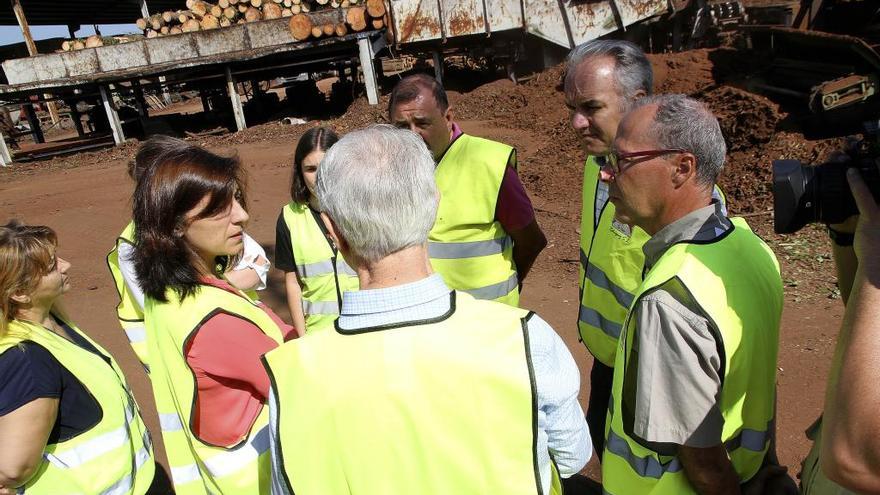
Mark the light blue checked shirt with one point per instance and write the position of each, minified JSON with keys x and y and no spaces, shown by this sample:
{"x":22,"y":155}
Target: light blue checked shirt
{"x":562,"y":429}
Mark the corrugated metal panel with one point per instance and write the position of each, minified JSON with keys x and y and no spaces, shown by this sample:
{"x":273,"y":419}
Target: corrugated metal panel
{"x":463,"y":17}
{"x":416,"y":20}
{"x":632,"y":11}
{"x":566,"y":22}
{"x":504,"y":15}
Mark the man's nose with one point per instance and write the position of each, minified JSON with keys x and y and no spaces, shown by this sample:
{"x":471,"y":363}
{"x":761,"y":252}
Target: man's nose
{"x":605,"y":173}
{"x":579,"y":121}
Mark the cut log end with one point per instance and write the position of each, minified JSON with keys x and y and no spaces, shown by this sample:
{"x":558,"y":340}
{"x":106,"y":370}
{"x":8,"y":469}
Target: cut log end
{"x":300,"y":27}
{"x":376,"y":8}
{"x":356,"y":17}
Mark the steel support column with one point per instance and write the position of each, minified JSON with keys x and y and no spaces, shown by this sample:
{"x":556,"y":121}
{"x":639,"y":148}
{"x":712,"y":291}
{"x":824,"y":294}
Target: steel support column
{"x":112,"y":116}
{"x":365,"y":50}
{"x":237,"y":109}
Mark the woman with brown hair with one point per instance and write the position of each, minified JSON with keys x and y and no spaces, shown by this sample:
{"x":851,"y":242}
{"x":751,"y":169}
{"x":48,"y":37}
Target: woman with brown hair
{"x":315,"y":273}
{"x":206,"y":336}
{"x":68,"y":421}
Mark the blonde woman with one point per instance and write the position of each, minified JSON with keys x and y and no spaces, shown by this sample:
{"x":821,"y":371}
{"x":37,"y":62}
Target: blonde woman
{"x":68,"y":421}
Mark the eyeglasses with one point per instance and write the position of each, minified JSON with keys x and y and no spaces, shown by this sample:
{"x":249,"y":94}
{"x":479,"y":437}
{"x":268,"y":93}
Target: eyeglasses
{"x":618,"y":162}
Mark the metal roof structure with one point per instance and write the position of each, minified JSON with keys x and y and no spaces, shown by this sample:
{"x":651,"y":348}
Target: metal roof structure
{"x":81,"y":12}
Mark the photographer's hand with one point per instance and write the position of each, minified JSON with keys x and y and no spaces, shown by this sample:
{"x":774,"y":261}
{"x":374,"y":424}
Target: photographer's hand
{"x":850,"y":452}
{"x":867,"y":235}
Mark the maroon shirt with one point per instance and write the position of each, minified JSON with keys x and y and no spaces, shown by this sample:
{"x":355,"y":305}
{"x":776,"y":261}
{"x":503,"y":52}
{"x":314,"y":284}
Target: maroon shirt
{"x":513,"y":210}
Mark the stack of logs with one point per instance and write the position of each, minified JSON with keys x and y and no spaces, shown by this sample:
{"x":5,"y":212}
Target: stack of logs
{"x":201,"y":15}
{"x":92,"y":42}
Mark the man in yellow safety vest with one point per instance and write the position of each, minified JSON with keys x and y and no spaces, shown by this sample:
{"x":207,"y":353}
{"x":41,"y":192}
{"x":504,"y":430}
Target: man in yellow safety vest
{"x":486,"y":236}
{"x":420,"y":388}
{"x":693,"y":395}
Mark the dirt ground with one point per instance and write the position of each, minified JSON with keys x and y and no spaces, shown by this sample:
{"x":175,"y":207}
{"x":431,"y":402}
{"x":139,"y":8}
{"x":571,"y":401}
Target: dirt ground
{"x":86,"y":198}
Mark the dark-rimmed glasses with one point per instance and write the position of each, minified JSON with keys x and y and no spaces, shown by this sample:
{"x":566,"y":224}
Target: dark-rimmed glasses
{"x":618,"y":162}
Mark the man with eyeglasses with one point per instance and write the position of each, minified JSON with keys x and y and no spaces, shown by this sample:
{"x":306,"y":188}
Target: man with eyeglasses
{"x":693,"y":395}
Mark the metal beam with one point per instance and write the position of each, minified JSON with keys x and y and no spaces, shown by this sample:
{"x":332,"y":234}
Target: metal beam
{"x":5,"y":156}
{"x":237,"y":109}
{"x":365,"y":50}
{"x":145,"y":12}
{"x":112,"y":116}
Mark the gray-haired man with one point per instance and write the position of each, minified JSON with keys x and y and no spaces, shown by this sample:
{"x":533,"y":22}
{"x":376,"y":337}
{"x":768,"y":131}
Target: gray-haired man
{"x":604,"y":79}
{"x":693,"y":396}
{"x":420,"y":389}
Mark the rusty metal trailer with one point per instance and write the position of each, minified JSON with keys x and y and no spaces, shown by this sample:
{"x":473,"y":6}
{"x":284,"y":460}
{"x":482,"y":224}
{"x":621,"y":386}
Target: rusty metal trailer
{"x":238,"y":52}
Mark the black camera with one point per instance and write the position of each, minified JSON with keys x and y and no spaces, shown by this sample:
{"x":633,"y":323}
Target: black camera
{"x":805,"y":194}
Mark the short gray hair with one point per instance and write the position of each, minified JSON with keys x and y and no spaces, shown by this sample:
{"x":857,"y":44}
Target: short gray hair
{"x":377,"y":184}
{"x":685,"y":123}
{"x":632,"y":68}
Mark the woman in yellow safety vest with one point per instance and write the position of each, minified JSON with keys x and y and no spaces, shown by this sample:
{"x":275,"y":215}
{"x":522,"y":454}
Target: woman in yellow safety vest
{"x":315,"y":274}
{"x":68,"y":421}
{"x":206,"y":336}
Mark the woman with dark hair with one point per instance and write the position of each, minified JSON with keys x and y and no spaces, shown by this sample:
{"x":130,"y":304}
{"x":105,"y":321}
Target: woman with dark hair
{"x":68,"y":421}
{"x":205,"y":336}
{"x":249,"y":274}
{"x":315,"y":274}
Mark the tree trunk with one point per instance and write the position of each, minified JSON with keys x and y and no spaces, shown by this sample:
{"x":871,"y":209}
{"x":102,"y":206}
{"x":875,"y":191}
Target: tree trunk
{"x":376,"y":8}
{"x":216,"y":11}
{"x":175,"y":30}
{"x":356,"y":18}
{"x":200,"y":8}
{"x":252,"y":14}
{"x":230,"y":13}
{"x":256,"y":3}
{"x":156,"y":22}
{"x":223,"y":3}
{"x":209,"y":22}
{"x":286,"y":13}
{"x":317,"y":31}
{"x":377,"y":23}
{"x":150,"y":34}
{"x":190,"y":25}
{"x":142,"y":23}
{"x":271,"y":11}
{"x":328,"y":29}
{"x":66,"y":45}
{"x":296,"y":9}
{"x":340,"y":29}
{"x":225,"y":22}
{"x":243,"y":7}
{"x":300,"y":27}
{"x":164,"y":30}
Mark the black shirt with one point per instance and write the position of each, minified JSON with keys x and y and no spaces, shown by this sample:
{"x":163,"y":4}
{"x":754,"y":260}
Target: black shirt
{"x":29,"y":372}
{"x":284,"y":258}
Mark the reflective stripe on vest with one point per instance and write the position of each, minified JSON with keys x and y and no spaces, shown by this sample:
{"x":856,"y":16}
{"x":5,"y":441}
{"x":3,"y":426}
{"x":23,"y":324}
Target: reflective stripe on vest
{"x":467,"y":246}
{"x":333,"y":417}
{"x":113,"y":457}
{"x":197,"y":467}
{"x":319,"y":268}
{"x":128,"y":311}
{"x":458,"y":250}
{"x":746,"y":315}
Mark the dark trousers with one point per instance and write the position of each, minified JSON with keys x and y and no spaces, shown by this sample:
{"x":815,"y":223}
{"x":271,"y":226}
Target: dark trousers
{"x":601,"y":378}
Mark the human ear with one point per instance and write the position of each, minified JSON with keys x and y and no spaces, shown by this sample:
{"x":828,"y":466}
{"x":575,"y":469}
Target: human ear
{"x":333,"y":232}
{"x":21,"y":298}
{"x":685,"y":168}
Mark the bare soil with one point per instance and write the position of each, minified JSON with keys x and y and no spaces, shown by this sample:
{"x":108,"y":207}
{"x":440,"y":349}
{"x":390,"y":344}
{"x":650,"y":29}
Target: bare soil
{"x":86,"y":198}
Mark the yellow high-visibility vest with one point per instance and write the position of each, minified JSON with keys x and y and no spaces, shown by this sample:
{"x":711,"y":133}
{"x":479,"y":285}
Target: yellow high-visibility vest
{"x":322,"y":271}
{"x":113,"y":457}
{"x":735,"y":280}
{"x":198,"y":467}
{"x":467,"y":246}
{"x":129,"y":312}
{"x":441,"y":406}
{"x":611,"y":261}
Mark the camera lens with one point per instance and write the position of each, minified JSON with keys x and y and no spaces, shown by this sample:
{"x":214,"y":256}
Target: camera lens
{"x":795,"y":202}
